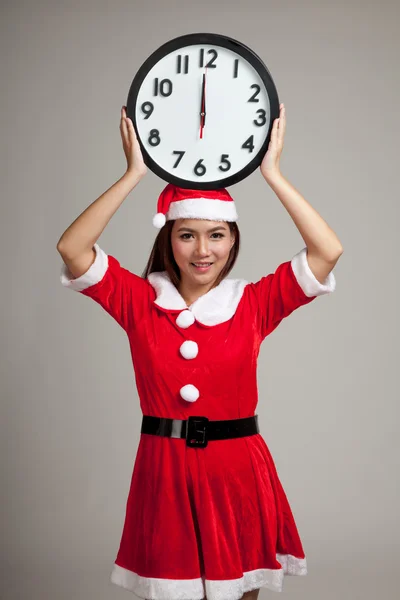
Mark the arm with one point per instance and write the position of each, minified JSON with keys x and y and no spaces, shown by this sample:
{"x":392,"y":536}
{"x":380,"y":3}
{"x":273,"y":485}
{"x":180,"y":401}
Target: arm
{"x":323,"y":246}
{"x":80,"y":237}
{"x":83,"y":233}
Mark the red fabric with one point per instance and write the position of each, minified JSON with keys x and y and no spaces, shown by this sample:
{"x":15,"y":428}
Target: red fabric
{"x":173,"y":193}
{"x":217,"y":511}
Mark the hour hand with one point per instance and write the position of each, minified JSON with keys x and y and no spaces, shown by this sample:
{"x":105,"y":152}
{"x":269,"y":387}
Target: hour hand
{"x":203,"y":103}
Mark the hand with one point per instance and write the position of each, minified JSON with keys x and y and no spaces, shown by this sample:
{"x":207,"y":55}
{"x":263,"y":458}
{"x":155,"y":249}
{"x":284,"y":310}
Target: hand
{"x":131,"y":146}
{"x":270,"y":163}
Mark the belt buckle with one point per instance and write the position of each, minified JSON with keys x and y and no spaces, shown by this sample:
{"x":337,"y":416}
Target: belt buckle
{"x":196,"y":433}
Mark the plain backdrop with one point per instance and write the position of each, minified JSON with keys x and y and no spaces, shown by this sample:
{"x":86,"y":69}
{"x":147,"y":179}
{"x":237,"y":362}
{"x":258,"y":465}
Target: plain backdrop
{"x":328,"y":389}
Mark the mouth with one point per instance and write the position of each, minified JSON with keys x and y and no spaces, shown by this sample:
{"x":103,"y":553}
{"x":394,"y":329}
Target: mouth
{"x":202,"y":268}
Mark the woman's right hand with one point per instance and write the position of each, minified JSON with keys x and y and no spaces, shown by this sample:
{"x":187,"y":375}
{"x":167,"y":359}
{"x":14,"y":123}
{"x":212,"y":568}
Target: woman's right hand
{"x":133,"y":153}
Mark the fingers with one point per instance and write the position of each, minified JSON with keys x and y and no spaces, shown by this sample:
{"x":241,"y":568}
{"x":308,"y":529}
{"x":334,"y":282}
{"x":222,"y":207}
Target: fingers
{"x":279,"y":125}
{"x":282,"y":118}
{"x":274,"y":130}
{"x":123,"y":124}
{"x":131,"y":129}
{"x":127,"y":123}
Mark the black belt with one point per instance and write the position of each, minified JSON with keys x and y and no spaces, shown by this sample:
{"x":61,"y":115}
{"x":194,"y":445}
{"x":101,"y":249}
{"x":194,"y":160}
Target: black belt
{"x":198,"y":431}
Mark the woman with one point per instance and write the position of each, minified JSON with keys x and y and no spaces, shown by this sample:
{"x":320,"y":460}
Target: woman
{"x":206,"y":515}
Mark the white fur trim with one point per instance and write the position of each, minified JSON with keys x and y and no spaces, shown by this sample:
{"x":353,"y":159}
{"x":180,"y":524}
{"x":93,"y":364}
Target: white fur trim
{"x":185,"y":319}
{"x":198,"y":588}
{"x":292,"y":565}
{"x":189,"y":392}
{"x":189,"y":349}
{"x":203,"y":208}
{"x":306,"y":278}
{"x":93,"y":275}
{"x":216,"y":306}
{"x":156,"y":588}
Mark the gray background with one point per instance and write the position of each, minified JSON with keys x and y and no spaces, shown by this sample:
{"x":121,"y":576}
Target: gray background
{"x":328,"y":407}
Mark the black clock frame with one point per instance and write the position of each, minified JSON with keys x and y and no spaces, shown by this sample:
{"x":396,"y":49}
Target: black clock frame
{"x":209,"y":39}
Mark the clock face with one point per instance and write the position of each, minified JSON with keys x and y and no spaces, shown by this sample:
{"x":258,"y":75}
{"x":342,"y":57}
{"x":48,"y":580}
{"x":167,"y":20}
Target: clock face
{"x":203,"y":107}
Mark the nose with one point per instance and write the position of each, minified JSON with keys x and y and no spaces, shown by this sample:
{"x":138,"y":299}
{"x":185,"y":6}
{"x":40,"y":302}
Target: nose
{"x":202,"y":247}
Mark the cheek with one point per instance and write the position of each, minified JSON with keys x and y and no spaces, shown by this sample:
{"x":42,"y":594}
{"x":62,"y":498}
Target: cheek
{"x":180,"y":250}
{"x":224,"y":249}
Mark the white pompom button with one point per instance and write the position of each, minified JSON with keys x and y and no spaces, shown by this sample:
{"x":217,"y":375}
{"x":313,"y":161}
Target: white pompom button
{"x":189,"y":349}
{"x":190,"y":393}
{"x":185,"y":319}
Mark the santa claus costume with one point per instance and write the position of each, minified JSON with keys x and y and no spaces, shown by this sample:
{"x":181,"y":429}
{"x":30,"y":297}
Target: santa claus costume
{"x":206,"y":513}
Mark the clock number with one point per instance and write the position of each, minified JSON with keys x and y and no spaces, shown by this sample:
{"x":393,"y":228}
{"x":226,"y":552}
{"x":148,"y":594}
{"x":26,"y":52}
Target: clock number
{"x":179,"y":64}
{"x":224,"y":159}
{"x":164,"y":87}
{"x":154,"y":137}
{"x":261,"y":116}
{"x":147,"y":108}
{"x":200,"y":169}
{"x":210,"y":65}
{"x":249,"y":143}
{"x":235,"y":68}
{"x":181,"y":153}
{"x":253,"y":98}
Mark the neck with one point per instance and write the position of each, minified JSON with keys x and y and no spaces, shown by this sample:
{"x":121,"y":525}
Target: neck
{"x":191,"y":292}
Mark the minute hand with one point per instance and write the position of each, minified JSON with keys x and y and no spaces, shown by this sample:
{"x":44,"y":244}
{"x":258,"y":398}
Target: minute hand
{"x":203,"y":106}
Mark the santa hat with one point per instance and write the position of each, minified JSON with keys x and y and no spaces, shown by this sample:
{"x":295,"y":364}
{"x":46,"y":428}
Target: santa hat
{"x":179,"y":203}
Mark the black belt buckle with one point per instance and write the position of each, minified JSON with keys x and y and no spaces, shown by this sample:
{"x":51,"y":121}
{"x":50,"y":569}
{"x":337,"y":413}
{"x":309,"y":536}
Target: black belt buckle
{"x":196,"y":433}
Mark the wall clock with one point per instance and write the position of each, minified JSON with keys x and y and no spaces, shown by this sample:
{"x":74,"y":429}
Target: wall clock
{"x":203,"y":107}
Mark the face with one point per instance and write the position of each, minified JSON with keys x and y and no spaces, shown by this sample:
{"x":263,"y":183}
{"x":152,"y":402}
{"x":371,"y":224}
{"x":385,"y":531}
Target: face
{"x":201,"y":240}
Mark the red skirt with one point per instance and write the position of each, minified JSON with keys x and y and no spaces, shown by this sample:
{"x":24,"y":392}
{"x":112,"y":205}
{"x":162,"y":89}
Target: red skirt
{"x":211,"y":521}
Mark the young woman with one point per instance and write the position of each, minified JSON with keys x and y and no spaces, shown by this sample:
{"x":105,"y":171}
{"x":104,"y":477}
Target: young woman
{"x":206,"y":515}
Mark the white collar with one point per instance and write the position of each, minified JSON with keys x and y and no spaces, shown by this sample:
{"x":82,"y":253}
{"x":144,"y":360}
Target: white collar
{"x":215,"y":306}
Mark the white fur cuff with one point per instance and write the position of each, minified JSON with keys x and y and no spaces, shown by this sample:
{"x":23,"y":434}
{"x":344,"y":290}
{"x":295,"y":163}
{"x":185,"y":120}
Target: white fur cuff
{"x":306,"y":278}
{"x":93,"y":275}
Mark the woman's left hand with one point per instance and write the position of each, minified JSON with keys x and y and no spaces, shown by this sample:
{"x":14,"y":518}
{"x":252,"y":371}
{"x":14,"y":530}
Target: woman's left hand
{"x":270,"y":163}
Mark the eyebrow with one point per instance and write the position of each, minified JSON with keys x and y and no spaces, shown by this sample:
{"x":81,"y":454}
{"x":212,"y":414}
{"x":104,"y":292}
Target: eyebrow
{"x":209,"y":231}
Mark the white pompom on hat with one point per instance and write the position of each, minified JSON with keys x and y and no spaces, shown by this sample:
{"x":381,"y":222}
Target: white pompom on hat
{"x":179,"y":203}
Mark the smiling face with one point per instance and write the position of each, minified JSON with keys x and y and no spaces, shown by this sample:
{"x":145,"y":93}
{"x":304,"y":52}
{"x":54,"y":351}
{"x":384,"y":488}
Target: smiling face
{"x":200,"y":241}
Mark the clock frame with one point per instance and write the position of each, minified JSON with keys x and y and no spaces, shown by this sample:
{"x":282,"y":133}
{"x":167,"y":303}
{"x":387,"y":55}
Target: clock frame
{"x":208,"y":39}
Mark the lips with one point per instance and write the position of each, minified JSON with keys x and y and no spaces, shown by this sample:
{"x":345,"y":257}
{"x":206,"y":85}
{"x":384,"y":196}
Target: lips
{"x":202,"y":269}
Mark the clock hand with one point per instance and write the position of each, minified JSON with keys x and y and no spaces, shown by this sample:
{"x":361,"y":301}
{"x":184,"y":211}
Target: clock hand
{"x":203,"y":105}
{"x":204,"y":98}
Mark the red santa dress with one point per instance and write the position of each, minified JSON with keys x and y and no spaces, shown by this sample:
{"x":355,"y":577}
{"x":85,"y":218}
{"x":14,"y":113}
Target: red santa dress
{"x":211,"y":521}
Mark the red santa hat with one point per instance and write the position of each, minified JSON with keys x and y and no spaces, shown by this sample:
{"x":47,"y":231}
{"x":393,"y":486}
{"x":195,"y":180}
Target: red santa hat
{"x":179,"y":203}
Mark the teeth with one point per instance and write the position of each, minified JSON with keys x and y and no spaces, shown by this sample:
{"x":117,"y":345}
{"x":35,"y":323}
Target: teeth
{"x":202,"y":264}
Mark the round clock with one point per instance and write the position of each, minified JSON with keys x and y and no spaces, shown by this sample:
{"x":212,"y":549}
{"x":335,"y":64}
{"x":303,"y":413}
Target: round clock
{"x":203,"y":106}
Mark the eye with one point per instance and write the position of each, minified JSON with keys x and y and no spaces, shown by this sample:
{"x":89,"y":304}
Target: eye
{"x":221,"y":235}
